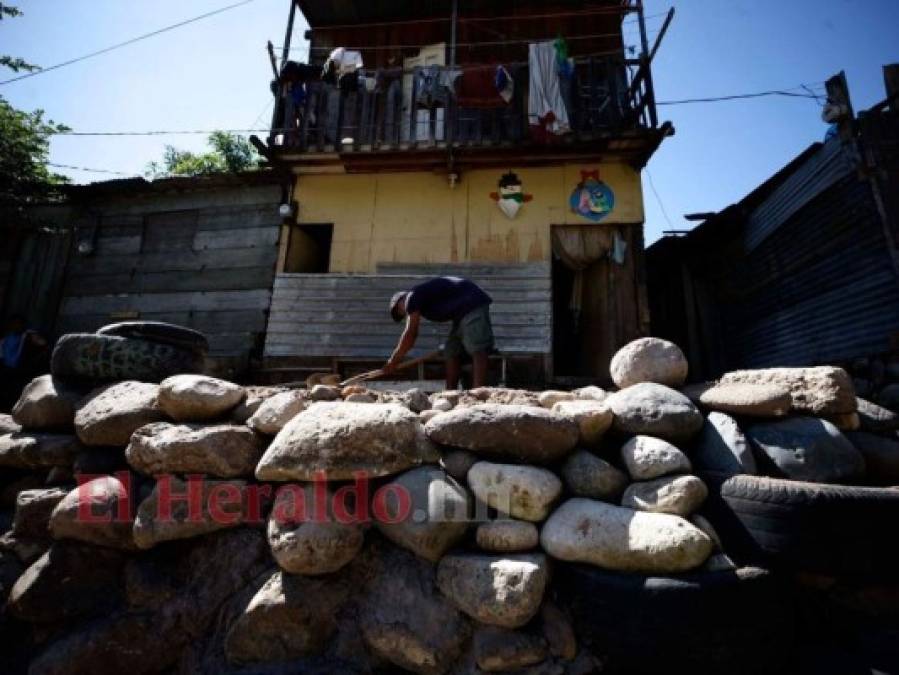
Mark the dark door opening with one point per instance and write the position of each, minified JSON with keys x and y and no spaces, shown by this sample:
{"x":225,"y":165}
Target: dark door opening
{"x":309,"y":249}
{"x":566,"y":342}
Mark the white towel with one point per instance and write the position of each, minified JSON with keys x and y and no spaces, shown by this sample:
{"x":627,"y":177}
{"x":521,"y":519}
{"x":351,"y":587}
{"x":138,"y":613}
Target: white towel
{"x":545,"y":95}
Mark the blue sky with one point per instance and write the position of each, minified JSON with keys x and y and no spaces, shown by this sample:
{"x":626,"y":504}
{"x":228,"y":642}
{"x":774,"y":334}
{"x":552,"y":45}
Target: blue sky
{"x":215,"y":74}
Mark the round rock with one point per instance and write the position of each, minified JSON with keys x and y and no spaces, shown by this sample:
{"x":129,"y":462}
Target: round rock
{"x":275,"y":412}
{"x":722,"y":449}
{"x":515,"y":432}
{"x":437,"y":518}
{"x":507,"y":536}
{"x":524,"y":492}
{"x":590,"y":393}
{"x":646,"y":458}
{"x":616,"y":538}
{"x":655,"y":410}
{"x":750,"y":400}
{"x":548,"y":399}
{"x":46,"y":403}
{"x":324,"y":392}
{"x":109,"y":415}
{"x":677,"y":495}
{"x":304,"y":543}
{"x":198,"y":398}
{"x":222,"y":450}
{"x":875,"y":418}
{"x":587,"y":475}
{"x":495,"y":590}
{"x":108,"y":507}
{"x":593,"y":419}
{"x":649,"y":360}
{"x":339,"y":439}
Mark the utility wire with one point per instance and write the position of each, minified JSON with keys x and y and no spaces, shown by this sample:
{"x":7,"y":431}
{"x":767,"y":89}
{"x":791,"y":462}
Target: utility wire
{"x":127,"y":42}
{"x":658,"y":199}
{"x":84,"y":168}
{"x":736,"y":97}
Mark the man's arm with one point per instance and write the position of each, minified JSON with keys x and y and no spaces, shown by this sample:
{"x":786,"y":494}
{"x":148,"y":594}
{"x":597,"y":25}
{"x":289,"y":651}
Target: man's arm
{"x":406,"y":343}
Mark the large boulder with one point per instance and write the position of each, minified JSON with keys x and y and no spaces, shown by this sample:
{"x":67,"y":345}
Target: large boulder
{"x":289,"y":617}
{"x":722,"y":448}
{"x":748,"y":399}
{"x":438,"y":512}
{"x":875,"y":418}
{"x":649,"y":360}
{"x":587,"y":475}
{"x":808,"y":449}
{"x":617,"y":538}
{"x":8,"y":425}
{"x":46,"y":404}
{"x":507,"y":536}
{"x":276,"y":411}
{"x":646,"y":458}
{"x":548,"y":399}
{"x":178,"y":509}
{"x":513,"y":432}
{"x":256,"y":396}
{"x":33,"y":510}
{"x":85,"y":357}
{"x":304,"y":541}
{"x":198,"y":398}
{"x":405,"y":620}
{"x":593,"y":418}
{"x":655,"y":410}
{"x":339,"y":440}
{"x":99,"y":511}
{"x":39,"y":450}
{"x":823,"y":390}
{"x":881,"y":457}
{"x":110,"y":414}
{"x":68,"y":581}
{"x":222,"y":450}
{"x":677,"y":495}
{"x":524,"y":492}
{"x":889,"y":397}
{"x":496,"y":590}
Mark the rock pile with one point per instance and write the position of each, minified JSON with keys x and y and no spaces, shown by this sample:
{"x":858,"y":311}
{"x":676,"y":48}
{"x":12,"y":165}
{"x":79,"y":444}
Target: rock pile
{"x":232,"y":529}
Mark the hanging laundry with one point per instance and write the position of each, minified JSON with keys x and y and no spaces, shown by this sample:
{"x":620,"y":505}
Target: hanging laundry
{"x":564,"y":63}
{"x":505,"y":85}
{"x":341,"y":63}
{"x":479,"y":88}
{"x":547,"y":115}
{"x":431,"y":91}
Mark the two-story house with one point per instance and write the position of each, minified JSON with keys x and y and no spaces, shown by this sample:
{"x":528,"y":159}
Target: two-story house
{"x":498,"y":141}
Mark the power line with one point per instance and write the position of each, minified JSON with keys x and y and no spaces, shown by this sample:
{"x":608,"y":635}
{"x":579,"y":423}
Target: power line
{"x":736,"y":97}
{"x":157,"y":133}
{"x":127,"y":42}
{"x":659,"y":199}
{"x":84,"y":168}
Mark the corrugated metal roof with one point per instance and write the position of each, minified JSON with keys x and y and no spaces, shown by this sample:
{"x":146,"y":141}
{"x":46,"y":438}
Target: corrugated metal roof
{"x":820,"y":171}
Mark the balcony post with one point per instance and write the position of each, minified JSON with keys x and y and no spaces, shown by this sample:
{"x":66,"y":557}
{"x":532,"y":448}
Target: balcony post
{"x":645,"y":66}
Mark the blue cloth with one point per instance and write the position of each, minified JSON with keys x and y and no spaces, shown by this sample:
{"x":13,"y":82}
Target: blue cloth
{"x":12,"y":349}
{"x":446,"y":299}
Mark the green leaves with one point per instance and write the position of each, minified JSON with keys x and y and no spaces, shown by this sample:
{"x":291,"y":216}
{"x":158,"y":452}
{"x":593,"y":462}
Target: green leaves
{"x":230,"y":152}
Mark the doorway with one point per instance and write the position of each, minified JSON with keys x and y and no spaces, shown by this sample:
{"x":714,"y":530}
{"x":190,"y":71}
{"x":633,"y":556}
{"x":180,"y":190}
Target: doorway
{"x":566,"y":338}
{"x":309,"y":249}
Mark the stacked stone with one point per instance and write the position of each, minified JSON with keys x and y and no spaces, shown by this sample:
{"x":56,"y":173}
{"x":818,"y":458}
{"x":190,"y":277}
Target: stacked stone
{"x":347,"y":529}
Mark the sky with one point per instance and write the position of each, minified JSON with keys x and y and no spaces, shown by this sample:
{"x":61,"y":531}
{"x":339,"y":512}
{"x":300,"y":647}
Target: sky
{"x":214,"y":74}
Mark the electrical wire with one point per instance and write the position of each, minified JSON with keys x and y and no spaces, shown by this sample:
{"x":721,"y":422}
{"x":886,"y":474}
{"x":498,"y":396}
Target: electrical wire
{"x":652,"y":186}
{"x":84,"y":168}
{"x":739,"y":97}
{"x":127,"y":42}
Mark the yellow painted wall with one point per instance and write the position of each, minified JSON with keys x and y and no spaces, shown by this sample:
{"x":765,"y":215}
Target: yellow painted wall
{"x":417,"y":217}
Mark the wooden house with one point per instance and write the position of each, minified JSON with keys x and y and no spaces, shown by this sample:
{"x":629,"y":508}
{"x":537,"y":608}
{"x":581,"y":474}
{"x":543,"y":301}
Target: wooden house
{"x":498,"y":141}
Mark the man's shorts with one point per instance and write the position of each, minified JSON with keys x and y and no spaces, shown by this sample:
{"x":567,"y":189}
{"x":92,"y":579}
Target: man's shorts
{"x":473,"y":334}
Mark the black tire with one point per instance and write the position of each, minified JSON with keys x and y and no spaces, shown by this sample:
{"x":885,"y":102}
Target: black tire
{"x":827,"y":529}
{"x":705,"y":622}
{"x":157,"y":331}
{"x":83,"y":357}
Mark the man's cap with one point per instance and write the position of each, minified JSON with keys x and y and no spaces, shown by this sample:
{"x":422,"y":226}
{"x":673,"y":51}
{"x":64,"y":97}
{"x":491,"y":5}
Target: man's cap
{"x":394,"y":305}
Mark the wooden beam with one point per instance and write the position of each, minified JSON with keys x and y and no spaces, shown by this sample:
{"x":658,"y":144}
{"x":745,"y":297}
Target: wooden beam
{"x":891,"y":83}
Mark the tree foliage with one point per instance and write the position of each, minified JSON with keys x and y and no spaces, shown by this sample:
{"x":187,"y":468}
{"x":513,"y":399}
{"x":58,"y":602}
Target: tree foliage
{"x":228,"y":152}
{"x":24,"y":145}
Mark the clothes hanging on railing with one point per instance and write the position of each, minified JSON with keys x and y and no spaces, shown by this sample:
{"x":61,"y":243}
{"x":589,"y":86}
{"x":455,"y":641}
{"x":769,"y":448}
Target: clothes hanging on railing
{"x":342,"y":67}
{"x":485,"y":87}
{"x":547,"y":115}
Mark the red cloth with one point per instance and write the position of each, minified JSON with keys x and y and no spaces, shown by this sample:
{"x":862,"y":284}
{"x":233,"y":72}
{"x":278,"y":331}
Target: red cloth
{"x":477,"y":89}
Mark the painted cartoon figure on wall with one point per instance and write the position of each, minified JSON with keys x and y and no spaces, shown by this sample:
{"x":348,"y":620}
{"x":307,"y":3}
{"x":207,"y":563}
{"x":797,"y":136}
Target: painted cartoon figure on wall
{"x":510,"y":197}
{"x":592,"y":198}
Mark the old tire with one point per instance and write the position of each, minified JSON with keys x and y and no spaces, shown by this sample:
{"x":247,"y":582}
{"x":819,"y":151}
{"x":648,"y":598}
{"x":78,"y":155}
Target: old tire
{"x":704,"y":622}
{"x":157,"y":331}
{"x":97,"y":358}
{"x":827,"y":529}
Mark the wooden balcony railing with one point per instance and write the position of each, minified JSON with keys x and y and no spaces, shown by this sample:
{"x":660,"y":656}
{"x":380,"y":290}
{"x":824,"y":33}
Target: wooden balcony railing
{"x":606,"y":96}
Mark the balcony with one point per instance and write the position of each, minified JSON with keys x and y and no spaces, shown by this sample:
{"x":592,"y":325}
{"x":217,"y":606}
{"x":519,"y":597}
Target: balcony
{"x":389,"y":117}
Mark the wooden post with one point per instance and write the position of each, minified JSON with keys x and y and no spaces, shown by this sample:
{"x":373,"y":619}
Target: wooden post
{"x":646,"y":67}
{"x":285,"y":51}
{"x":838,"y":95}
{"x":891,"y":83}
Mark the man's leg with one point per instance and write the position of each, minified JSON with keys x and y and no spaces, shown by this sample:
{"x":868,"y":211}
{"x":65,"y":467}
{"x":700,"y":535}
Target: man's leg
{"x":453,"y":369}
{"x":479,"y":369}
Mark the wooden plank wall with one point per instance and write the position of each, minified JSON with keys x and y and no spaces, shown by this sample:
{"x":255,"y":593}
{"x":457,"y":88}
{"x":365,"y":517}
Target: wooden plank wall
{"x":346,"y":316}
{"x":212,"y":272}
